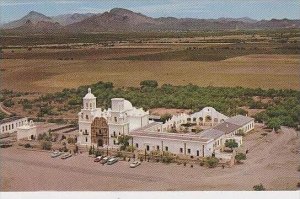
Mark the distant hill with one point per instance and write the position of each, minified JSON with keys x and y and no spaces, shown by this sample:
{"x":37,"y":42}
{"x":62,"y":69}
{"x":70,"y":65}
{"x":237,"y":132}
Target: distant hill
{"x":123,"y":20}
{"x":33,"y":17}
{"x":71,"y":18}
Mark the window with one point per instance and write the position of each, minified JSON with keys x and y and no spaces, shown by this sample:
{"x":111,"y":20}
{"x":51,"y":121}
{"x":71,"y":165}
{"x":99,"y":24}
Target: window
{"x":157,"y":147}
{"x":167,"y":148}
{"x":114,"y":141}
{"x":12,"y":126}
{"x":86,"y":139}
{"x":116,"y":119}
{"x":85,"y":132}
{"x":114,"y":134}
{"x":181,"y":150}
{"x":87,"y":117}
{"x":198,"y":153}
{"x":147,"y":148}
{"x":189,"y":151}
{"x":137,"y":145}
{"x":3,"y":128}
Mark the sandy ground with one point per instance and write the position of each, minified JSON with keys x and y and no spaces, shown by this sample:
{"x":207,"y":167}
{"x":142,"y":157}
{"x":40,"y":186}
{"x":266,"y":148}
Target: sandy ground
{"x":262,"y":71}
{"x":272,"y":161}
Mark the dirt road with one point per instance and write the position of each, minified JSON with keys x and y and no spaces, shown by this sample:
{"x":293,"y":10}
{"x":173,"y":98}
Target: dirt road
{"x":272,"y":161}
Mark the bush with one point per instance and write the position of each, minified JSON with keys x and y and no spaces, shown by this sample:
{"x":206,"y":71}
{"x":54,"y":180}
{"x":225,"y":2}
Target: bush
{"x":212,"y":162}
{"x":201,"y":163}
{"x":27,"y":145}
{"x":258,"y":187}
{"x":8,"y":103}
{"x":240,"y":156}
{"x":46,"y":145}
{"x":71,"y":140}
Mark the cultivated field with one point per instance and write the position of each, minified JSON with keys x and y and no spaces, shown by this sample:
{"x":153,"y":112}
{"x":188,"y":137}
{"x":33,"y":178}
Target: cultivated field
{"x":265,"y":71}
{"x":272,"y":160}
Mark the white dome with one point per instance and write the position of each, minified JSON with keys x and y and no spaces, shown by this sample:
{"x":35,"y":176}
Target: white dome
{"x":89,"y":95}
{"x":127,"y":105}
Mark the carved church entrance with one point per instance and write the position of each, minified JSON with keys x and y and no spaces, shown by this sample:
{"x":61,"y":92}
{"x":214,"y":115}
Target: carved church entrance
{"x":100,"y":132}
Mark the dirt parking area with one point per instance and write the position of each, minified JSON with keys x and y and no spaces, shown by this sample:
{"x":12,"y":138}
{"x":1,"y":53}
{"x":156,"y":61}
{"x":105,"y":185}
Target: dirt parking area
{"x":273,"y":161}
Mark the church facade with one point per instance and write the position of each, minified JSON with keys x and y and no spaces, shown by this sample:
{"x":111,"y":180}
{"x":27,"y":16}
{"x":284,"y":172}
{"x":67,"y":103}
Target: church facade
{"x":102,"y":127}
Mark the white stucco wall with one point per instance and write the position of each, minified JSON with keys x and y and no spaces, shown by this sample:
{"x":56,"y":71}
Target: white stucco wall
{"x":174,"y":146}
{"x":11,"y":127}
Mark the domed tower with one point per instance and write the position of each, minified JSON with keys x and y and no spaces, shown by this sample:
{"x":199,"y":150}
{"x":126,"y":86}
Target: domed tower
{"x":89,"y":100}
{"x":85,"y":118}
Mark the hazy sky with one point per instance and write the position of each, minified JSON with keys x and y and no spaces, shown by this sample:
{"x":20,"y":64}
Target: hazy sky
{"x":257,"y":9}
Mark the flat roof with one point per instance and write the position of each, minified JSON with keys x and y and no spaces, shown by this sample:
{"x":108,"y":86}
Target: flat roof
{"x":174,"y":136}
{"x":211,"y":134}
{"x":150,"y":125}
{"x":10,"y":119}
{"x":226,"y":127}
{"x":239,"y":120}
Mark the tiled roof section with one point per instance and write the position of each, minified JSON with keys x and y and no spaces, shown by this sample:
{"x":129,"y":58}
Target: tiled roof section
{"x":227,"y":127}
{"x":211,"y":134}
{"x":239,"y":120}
{"x":10,"y":119}
{"x":170,"y":136}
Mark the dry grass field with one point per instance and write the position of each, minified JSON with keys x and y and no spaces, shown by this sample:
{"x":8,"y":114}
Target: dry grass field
{"x":265,"y":71}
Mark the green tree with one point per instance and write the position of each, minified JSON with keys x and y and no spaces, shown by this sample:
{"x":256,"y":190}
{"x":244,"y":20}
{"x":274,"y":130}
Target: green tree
{"x":123,"y":140}
{"x":231,"y":143}
{"x":240,"y":156}
{"x":274,"y":123}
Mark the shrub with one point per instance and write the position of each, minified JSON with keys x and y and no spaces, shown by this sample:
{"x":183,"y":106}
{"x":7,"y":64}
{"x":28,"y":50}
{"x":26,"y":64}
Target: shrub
{"x":71,"y":140}
{"x":46,"y":145}
{"x":27,"y":145}
{"x":258,"y":187}
{"x":201,"y":163}
{"x":212,"y":162}
{"x":240,"y":156}
{"x":8,"y":103}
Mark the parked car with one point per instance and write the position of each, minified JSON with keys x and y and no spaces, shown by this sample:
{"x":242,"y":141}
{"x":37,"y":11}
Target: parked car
{"x":112,"y":160}
{"x":98,"y":159}
{"x":104,"y":160}
{"x":66,"y":155}
{"x":135,"y":164}
{"x":55,"y":154}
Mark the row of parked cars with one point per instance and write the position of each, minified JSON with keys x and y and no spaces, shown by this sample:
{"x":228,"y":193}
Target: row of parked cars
{"x":111,"y":160}
{"x":63,"y":155}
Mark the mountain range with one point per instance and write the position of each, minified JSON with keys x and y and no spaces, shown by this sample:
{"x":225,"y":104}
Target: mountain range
{"x":123,"y":20}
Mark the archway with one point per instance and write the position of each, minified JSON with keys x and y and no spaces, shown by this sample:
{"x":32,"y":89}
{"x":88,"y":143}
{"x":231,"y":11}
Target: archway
{"x":100,"y":132}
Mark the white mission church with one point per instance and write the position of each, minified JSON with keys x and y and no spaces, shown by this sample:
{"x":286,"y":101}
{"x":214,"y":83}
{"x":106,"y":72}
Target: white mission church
{"x":101,"y":128}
